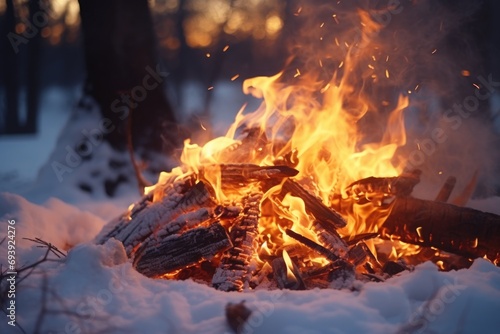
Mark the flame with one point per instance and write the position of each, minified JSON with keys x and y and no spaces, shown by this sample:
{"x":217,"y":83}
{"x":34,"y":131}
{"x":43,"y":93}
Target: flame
{"x":320,"y":119}
{"x":289,"y":266}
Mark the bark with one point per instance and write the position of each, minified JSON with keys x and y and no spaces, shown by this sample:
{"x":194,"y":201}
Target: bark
{"x":282,"y":277}
{"x":234,"y":270}
{"x":463,"y":231}
{"x":314,"y":205}
{"x":179,"y":251}
{"x":156,"y":216}
{"x":445,"y":192}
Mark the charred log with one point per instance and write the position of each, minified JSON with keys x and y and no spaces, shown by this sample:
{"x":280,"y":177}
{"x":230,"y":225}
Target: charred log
{"x":314,"y":205}
{"x":445,"y":192}
{"x":234,"y":270}
{"x":287,"y":279}
{"x":158,"y":214}
{"x":312,"y":245}
{"x":330,"y":238}
{"x":458,"y":230}
{"x":174,"y":252}
{"x":236,"y":175}
{"x":401,"y":186}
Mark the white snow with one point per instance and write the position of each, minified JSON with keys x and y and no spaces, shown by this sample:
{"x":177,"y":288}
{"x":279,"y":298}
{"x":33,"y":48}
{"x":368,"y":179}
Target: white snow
{"x":95,"y":289}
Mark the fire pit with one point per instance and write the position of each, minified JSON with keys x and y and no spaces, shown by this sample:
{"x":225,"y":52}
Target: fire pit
{"x":289,"y":198}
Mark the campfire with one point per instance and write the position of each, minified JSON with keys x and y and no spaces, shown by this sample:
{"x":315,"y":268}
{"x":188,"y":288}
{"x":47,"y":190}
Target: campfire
{"x":294,"y":196}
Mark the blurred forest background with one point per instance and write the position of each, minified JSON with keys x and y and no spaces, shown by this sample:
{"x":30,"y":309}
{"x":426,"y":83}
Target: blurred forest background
{"x":198,"y":41}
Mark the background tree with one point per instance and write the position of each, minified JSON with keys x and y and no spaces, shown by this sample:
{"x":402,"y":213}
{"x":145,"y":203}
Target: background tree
{"x":124,"y":75}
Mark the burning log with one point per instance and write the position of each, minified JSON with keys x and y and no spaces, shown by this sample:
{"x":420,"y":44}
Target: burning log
{"x":234,"y":269}
{"x":314,"y":205}
{"x":287,"y":276}
{"x":330,"y":238}
{"x":445,"y":192}
{"x":174,"y":252}
{"x":242,"y":174}
{"x":401,"y":186}
{"x":158,"y":214}
{"x":463,"y":231}
{"x":312,"y":245}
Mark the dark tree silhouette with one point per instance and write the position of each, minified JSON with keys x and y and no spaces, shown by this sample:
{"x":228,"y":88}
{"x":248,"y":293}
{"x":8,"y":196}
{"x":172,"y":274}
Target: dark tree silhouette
{"x":124,"y":75}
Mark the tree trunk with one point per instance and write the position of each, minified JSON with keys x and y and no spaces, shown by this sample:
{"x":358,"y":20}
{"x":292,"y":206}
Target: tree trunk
{"x":124,"y":75}
{"x":33,"y":75}
{"x":11,"y":81}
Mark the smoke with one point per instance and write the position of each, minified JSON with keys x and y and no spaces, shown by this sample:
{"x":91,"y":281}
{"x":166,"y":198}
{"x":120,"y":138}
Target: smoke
{"x":427,"y":50}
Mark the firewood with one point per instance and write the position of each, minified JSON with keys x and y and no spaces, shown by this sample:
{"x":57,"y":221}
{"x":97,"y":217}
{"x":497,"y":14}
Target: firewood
{"x":330,"y":238}
{"x":174,"y":252}
{"x":352,"y":240}
{"x":234,"y":270}
{"x":445,"y":192}
{"x":466,"y":194}
{"x":359,"y":254}
{"x":116,"y":225}
{"x":458,"y":230}
{"x":313,"y":204}
{"x":236,"y":175}
{"x":312,"y":245}
{"x":283,"y":278}
{"x":401,"y":186}
{"x":149,"y":221}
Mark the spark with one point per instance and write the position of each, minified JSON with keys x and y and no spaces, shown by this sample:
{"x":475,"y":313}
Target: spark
{"x":371,"y":66}
{"x":299,"y":10}
{"x":341,"y":64}
{"x":476,"y":241}
{"x":374,"y":59}
{"x":434,"y":51}
{"x":465,"y":73}
{"x":387,"y":58}
{"x":225,"y":48}
{"x":416,"y":87}
{"x":320,"y":63}
{"x":322,"y":25}
{"x":297,"y":73}
{"x":207,"y":55}
{"x":476,"y":85}
{"x":211,"y":87}
{"x":324,"y":89}
{"x":203,"y":127}
{"x":235,"y":77}
{"x":387,"y":73}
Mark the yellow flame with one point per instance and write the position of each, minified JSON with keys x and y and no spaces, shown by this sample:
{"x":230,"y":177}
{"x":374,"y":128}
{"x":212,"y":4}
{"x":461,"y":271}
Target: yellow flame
{"x":289,"y":265}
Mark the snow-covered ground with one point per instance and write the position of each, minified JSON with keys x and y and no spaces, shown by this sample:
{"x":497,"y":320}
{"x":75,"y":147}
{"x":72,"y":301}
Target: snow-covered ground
{"x":94,"y":289}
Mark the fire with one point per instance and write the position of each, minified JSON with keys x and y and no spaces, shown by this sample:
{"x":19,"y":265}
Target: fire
{"x":314,"y":125}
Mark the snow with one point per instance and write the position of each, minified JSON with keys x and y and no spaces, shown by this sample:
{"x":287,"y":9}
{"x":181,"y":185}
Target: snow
{"x":95,"y":288}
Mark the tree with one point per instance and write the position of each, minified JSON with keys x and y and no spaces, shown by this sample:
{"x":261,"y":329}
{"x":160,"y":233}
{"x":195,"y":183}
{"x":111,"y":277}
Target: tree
{"x":124,"y":75}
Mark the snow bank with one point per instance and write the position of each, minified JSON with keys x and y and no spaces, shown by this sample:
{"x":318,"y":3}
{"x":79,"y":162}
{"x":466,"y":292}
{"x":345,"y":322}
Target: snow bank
{"x":95,"y":289}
